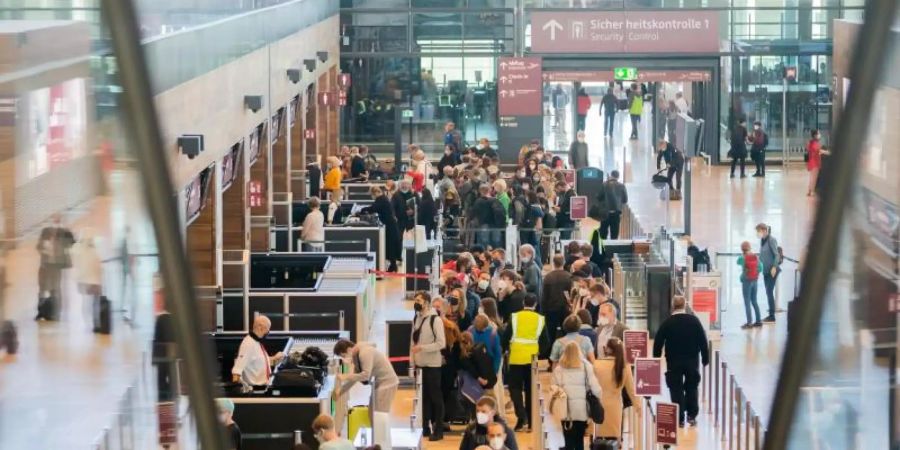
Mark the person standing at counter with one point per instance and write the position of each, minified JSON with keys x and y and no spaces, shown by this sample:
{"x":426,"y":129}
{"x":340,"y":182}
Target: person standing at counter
{"x":313,"y":232}
{"x":369,"y":364}
{"x":253,"y":365}
{"x":393,"y":245}
{"x":333,"y":176}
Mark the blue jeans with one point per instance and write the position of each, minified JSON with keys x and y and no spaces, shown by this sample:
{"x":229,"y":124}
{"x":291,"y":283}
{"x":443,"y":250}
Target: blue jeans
{"x":769,"y":281}
{"x":749,"y":290}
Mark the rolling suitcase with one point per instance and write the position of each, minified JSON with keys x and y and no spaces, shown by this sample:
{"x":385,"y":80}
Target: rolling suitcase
{"x":601,"y":443}
{"x":102,"y":315}
{"x":356,"y":419}
{"x":46,"y":309}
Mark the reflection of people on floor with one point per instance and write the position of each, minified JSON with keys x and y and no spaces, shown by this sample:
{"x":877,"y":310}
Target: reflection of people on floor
{"x":163,"y":345}
{"x":127,"y":262}
{"x":54,"y":244}
{"x":88,"y":271}
{"x":674,"y":159}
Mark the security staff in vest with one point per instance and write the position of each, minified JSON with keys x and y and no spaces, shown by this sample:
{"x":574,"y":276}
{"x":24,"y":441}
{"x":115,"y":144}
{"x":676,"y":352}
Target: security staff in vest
{"x":427,"y":342}
{"x":523,"y":338}
{"x":253,"y":365}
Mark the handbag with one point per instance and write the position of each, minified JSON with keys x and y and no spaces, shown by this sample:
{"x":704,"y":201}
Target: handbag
{"x":595,"y":408}
{"x":469,"y":387}
{"x":626,"y":399}
{"x":559,"y":403}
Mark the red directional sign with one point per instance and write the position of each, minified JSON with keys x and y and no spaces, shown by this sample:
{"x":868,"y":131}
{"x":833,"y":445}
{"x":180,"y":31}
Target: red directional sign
{"x":344,"y":80}
{"x":519,"y":86}
{"x":682,"y":31}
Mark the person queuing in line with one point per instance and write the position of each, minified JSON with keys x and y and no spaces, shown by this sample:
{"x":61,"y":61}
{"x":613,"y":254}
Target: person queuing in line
{"x":358,"y":164}
{"x":334,"y":215}
{"x":369,"y":364}
{"x":313,"y":232}
{"x":404,"y":203}
{"x":483,"y":286}
{"x":475,"y":361}
{"x":759,"y":140}
{"x":617,"y":384}
{"x":578,"y":151}
{"x":684,"y":340}
{"x":738,"y":152}
{"x":510,"y":294}
{"x":325,"y":432}
{"x":530,"y":271}
{"x":571,"y":328}
{"x":587,"y":330}
{"x":393,"y":245}
{"x":253,"y":365}
{"x":575,"y":376}
{"x":564,"y":222}
{"x":420,"y":171}
{"x":333,"y":176}
{"x":608,"y":326}
{"x":487,"y":334}
{"x":554,"y":301}
{"x":428,"y":341}
{"x":814,"y":152}
{"x":488,"y":216}
{"x":451,"y":158}
{"x":232,"y":430}
{"x":451,"y":364}
{"x":485,"y":150}
{"x":750,"y":269}
{"x":54,"y":245}
{"x":523,"y":337}
{"x":486,"y":415}
{"x":674,"y":159}
{"x":614,"y":198}
{"x":428,"y":213}
{"x":771,"y":257}
{"x":530,"y":222}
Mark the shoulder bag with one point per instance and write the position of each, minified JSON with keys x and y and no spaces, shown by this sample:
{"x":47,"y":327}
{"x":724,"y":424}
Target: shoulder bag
{"x":594,"y":407}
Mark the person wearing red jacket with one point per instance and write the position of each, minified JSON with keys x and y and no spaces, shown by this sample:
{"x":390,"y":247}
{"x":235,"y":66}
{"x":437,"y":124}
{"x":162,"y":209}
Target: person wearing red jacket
{"x":584,"y":105}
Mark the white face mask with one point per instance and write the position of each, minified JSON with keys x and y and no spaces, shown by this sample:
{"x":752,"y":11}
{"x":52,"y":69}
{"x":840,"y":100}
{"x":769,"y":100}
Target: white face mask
{"x":483,"y":284}
{"x":603,"y":321}
{"x":502,"y":284}
{"x":581,"y":139}
{"x":583,"y":292}
{"x":525,"y":259}
{"x":482,"y":418}
{"x":755,"y":127}
{"x":497,"y":443}
{"x":320,"y":436}
{"x":480,"y":311}
{"x":760,"y":235}
{"x":595,"y":301}
{"x":441,"y":282}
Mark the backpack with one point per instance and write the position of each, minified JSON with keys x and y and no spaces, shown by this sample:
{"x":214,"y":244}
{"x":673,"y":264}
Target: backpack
{"x":499,"y":213}
{"x":751,"y":267}
{"x":518,"y":210}
{"x":780,"y":255}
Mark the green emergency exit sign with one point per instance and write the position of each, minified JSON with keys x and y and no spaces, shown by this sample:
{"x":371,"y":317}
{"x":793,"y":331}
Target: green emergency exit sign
{"x":625,"y":73}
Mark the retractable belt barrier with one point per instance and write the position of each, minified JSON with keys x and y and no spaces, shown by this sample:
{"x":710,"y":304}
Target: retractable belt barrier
{"x":734,"y":417}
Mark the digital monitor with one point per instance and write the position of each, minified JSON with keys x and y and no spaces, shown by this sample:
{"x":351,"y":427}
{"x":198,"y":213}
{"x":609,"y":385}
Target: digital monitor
{"x":230,"y":164}
{"x":444,"y":100}
{"x":254,"y":144}
{"x":276,"y":126}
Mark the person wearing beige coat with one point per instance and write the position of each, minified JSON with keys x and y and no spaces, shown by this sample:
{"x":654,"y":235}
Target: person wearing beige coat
{"x":611,"y":384}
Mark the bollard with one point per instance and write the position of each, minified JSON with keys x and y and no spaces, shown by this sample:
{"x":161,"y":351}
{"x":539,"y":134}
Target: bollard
{"x":724,"y":403}
{"x":756,"y":436}
{"x":739,"y":404}
{"x":715,"y":382}
{"x":731,"y":388}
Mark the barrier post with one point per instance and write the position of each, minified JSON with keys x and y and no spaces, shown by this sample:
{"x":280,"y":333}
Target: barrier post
{"x":747,"y":422}
{"x":757,"y":437}
{"x":731,"y":402}
{"x":724,"y":387}
{"x":716,"y":385}
{"x":739,"y":400}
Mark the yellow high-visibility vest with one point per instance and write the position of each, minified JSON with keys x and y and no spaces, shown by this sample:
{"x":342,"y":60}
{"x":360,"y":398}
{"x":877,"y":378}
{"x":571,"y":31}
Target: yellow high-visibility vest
{"x":527,"y":326}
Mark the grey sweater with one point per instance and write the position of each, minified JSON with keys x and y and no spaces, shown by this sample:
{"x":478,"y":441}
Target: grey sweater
{"x":768,"y":253}
{"x":370,"y":363}
{"x":431,"y":340}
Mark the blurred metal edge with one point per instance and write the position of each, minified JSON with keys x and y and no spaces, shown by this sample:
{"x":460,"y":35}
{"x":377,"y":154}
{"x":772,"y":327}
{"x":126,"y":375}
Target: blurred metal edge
{"x":144,"y":133}
{"x":866,"y":68}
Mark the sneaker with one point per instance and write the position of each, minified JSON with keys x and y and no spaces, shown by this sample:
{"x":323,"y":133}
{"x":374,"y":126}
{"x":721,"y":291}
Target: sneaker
{"x":692,"y":422}
{"x":747,"y":326}
{"x":770,"y":319}
{"x":757,"y":175}
{"x":757,"y":324}
{"x":520,"y":425}
{"x":436,"y":437}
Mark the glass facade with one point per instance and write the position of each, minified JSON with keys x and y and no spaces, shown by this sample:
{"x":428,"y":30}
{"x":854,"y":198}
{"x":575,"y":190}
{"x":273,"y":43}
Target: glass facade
{"x":452,"y":49}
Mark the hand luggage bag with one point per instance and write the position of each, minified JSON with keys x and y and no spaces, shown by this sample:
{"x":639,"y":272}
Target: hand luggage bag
{"x":102,"y":315}
{"x":602,"y":443}
{"x":46,"y":308}
{"x":357,"y":418}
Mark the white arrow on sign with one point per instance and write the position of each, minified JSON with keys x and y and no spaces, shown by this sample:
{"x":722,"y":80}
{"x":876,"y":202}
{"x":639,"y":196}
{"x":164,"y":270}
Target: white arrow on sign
{"x":503,"y":80}
{"x":553,"y":25}
{"x":503,"y":94}
{"x":503,"y":65}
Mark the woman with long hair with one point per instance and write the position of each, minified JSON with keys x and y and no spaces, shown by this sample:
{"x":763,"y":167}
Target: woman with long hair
{"x":616,"y":382}
{"x":574,"y":375}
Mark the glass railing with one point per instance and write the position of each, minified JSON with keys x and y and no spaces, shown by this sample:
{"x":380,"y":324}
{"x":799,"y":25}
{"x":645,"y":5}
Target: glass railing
{"x":182,"y":56}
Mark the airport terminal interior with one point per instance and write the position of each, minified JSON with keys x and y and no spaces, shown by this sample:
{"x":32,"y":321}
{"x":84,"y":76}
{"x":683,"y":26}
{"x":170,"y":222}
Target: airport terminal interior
{"x":449,"y":224}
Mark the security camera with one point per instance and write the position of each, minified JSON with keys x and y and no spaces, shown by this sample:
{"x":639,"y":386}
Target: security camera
{"x":293,"y":75}
{"x":253,"y":102}
{"x":310,"y":64}
{"x":190,"y":145}
{"x":323,"y":56}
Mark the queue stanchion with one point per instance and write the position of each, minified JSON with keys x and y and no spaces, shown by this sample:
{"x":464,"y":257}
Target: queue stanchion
{"x":738,"y":404}
{"x":298,"y":437}
{"x":715,"y":382}
{"x":748,"y":420}
{"x":722,"y":406}
{"x":731,"y":402}
{"x":757,"y":434}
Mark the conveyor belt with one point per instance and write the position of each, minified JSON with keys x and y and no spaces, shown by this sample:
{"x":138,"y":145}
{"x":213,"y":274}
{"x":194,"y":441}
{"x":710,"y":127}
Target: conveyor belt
{"x":326,"y":344}
{"x":331,"y":284}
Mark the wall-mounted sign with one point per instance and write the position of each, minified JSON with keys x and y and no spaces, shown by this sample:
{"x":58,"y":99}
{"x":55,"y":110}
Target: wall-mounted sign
{"x":625,"y":73}
{"x":342,"y":98}
{"x":309,"y":133}
{"x":642,"y":76}
{"x":684,"y":31}
{"x":255,"y":194}
{"x":519,"y":86}
{"x":407,"y":114}
{"x":327,"y":99}
{"x":344,"y":81}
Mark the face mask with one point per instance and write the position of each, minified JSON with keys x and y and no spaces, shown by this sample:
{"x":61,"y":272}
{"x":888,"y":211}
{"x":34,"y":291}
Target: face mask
{"x":418,"y":307}
{"x":483,"y":284}
{"x":521,"y":174}
{"x":581,"y":140}
{"x":525,"y":259}
{"x":480,"y":146}
{"x":603,"y":320}
{"x":755,"y":127}
{"x":441,"y":282}
{"x":532,"y":166}
{"x":497,"y":443}
{"x":502,"y":284}
{"x":480,"y":311}
{"x":448,"y":152}
{"x":760,"y":235}
{"x":404,"y":190}
{"x":595,"y":302}
{"x":482,"y":418}
{"x":583,"y":292}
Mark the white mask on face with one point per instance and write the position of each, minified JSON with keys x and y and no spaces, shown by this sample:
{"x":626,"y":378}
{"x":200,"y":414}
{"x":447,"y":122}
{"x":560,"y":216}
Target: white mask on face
{"x":595,"y":301}
{"x":755,"y":127}
{"x":482,"y":418}
{"x":581,"y":139}
{"x":525,"y":259}
{"x":497,"y":443}
{"x":603,"y":321}
{"x":483,"y":284}
{"x":760,"y":235}
{"x":480,"y":311}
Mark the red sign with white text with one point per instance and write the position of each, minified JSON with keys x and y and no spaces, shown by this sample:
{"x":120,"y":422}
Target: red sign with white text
{"x":637,"y":345}
{"x":344,"y":80}
{"x":326,"y":99}
{"x":683,"y":31}
{"x":255,"y":193}
{"x":667,"y":418}
{"x":647,"y":377}
{"x":519,"y":86}
{"x":706,"y":300}
{"x":309,"y":133}
{"x":578,"y":207}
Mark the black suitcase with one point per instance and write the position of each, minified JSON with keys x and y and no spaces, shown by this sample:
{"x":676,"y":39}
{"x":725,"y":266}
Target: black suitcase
{"x":604,"y":444}
{"x":46,"y":308}
{"x":300,"y":382}
{"x":102,"y":315}
{"x":9,"y":338}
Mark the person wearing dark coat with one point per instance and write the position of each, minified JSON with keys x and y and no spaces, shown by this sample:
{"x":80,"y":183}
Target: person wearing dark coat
{"x":674,"y":159}
{"x":451,"y":158}
{"x":393,"y":245}
{"x":404,"y":210}
{"x":357,"y":166}
{"x":428,"y":214}
{"x":476,"y":434}
{"x":578,"y":152}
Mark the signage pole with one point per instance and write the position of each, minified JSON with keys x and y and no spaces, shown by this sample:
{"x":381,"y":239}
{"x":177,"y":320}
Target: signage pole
{"x":784,"y":136}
